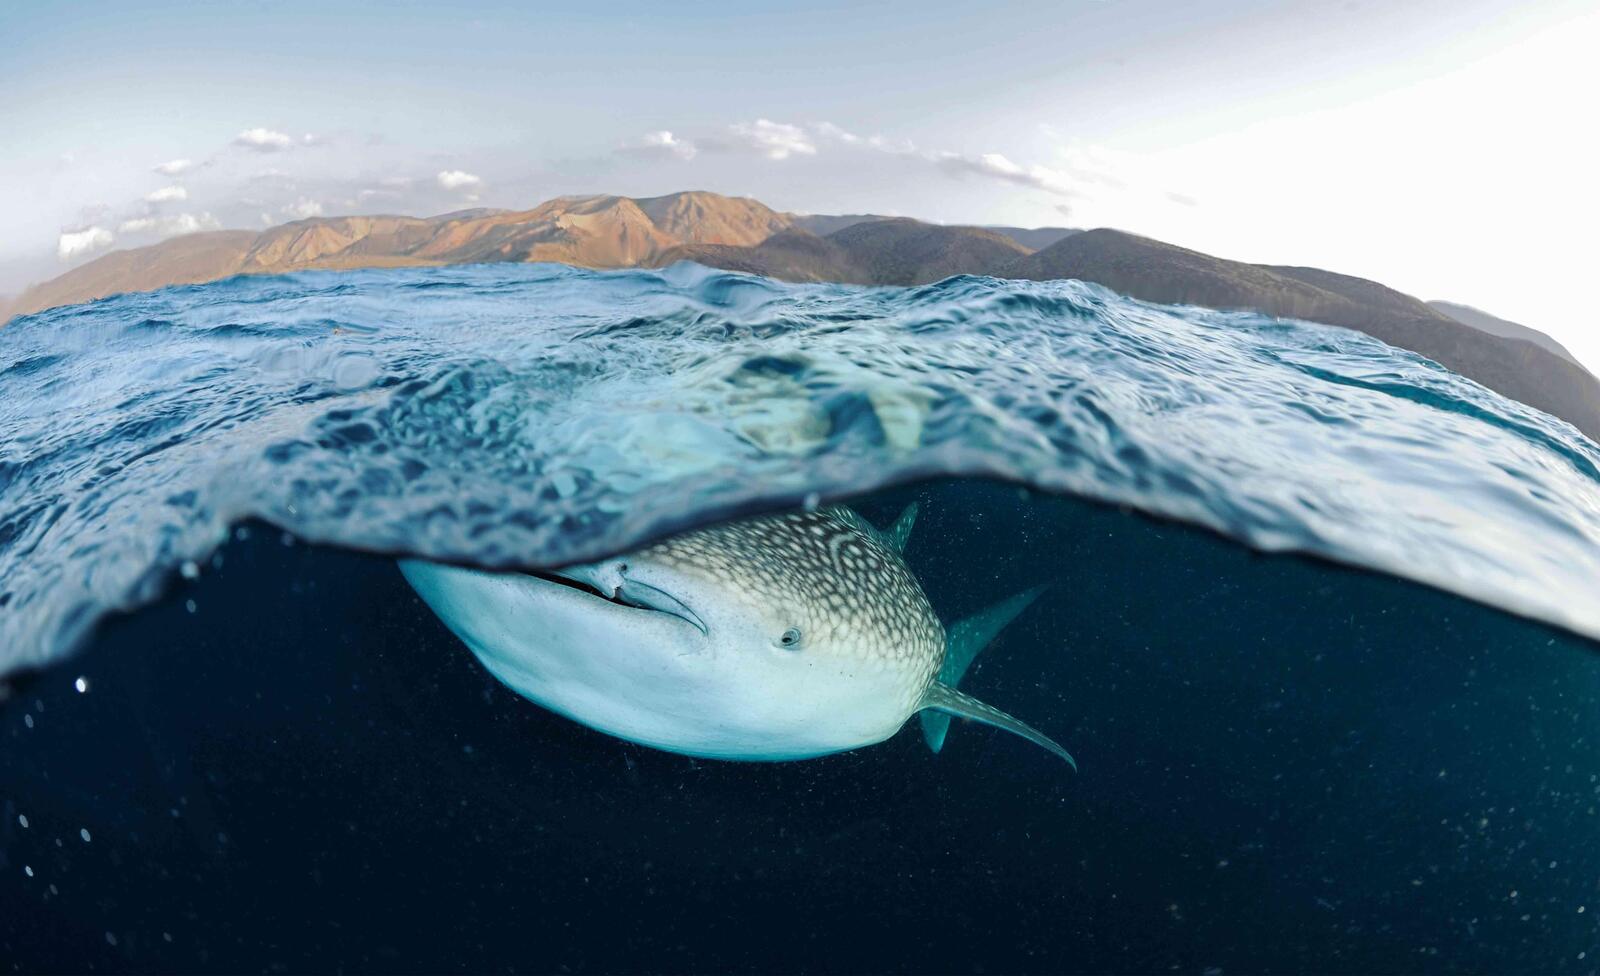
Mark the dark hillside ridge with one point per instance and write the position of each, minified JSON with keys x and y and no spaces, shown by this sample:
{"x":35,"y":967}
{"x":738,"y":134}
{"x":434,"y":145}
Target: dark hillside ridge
{"x":1035,"y":238}
{"x":791,"y":255}
{"x":1158,"y":272}
{"x":908,"y":252}
{"x":824,"y":224}
{"x":1494,"y":325}
{"x":1032,"y":238}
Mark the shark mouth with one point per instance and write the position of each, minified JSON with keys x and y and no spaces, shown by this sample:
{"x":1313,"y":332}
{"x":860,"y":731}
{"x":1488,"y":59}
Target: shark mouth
{"x":631,"y":593}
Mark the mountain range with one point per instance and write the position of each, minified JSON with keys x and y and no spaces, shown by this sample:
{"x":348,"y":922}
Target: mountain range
{"x":1483,"y":321}
{"x":742,"y":234}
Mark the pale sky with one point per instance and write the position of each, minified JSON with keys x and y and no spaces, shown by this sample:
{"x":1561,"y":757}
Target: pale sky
{"x":1447,"y":149}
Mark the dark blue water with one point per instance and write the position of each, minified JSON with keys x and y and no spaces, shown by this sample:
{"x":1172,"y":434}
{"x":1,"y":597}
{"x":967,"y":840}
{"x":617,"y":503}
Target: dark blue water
{"x":281,"y":760}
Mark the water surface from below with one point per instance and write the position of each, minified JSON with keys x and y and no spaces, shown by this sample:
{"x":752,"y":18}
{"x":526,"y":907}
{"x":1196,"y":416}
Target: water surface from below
{"x":288,"y":763}
{"x":511,"y":415}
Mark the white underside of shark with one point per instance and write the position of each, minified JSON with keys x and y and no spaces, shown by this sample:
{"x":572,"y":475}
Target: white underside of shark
{"x":761,"y":641}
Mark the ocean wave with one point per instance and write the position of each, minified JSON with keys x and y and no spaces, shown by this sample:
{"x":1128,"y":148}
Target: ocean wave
{"x":529,"y":415}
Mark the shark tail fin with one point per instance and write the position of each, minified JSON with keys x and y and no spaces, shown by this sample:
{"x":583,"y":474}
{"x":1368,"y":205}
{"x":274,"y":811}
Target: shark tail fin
{"x":945,"y":701}
{"x":964,"y":641}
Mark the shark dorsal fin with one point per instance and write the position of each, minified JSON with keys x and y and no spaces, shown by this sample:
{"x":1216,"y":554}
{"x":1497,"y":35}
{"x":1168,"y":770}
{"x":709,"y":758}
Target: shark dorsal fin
{"x":947,"y":701}
{"x":900,"y":532}
{"x":894,"y":538}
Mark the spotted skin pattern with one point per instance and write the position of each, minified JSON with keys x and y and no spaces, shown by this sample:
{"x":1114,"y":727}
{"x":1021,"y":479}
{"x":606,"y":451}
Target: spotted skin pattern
{"x":851,"y":597}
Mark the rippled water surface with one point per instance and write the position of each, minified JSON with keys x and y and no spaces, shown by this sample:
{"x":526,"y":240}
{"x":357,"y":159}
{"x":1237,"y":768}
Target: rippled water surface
{"x":525,"y":415}
{"x":233,"y":739}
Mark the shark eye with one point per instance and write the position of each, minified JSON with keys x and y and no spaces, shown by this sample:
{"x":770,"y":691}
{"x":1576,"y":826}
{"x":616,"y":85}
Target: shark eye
{"x":790,"y":638}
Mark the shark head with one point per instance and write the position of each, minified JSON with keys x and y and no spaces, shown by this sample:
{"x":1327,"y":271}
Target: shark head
{"x":770,"y":638}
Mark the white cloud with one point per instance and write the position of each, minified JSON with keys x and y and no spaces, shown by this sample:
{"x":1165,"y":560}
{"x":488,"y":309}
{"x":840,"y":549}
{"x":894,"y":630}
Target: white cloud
{"x":455,"y":179}
{"x":170,"y":225}
{"x":996,"y":166}
{"x":778,"y":140}
{"x":662,"y":144}
{"x":782,"y":140}
{"x":263,"y":140}
{"x":774,"y":140}
{"x":266,"y":220}
{"x":175,"y":167}
{"x":902,"y":147}
{"x":828,"y":130}
{"x":303,"y":209}
{"x":1102,"y":166}
{"x":1059,"y":182}
{"x":76,"y":243}
{"x":397,"y":182}
{"x":166,"y":194}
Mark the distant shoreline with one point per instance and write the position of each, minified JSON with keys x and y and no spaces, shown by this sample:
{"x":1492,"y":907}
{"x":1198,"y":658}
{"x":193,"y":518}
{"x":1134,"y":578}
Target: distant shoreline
{"x":742,"y":234}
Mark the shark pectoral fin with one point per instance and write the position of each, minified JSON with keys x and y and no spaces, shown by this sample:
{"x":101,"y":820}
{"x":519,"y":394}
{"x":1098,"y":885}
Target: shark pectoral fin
{"x":966,"y":638}
{"x":935,"y":726}
{"x":945,"y":701}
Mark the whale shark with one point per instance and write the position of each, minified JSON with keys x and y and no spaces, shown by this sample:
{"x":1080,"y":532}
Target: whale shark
{"x":769,"y":638}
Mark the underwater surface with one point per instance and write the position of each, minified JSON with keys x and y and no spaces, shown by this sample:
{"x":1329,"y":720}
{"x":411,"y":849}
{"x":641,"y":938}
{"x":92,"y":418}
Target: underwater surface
{"x":1319,"y":631}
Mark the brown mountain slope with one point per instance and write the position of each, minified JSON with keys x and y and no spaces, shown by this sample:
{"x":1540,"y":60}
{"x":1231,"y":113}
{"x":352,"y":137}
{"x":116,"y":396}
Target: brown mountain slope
{"x":901,"y":251}
{"x":698,"y":217}
{"x":1158,"y":272}
{"x":745,"y":235}
{"x":1031,"y":238}
{"x":1034,"y":238}
{"x":180,"y":261}
{"x":305,"y":243}
{"x":592,"y":231}
{"x":792,"y":255}
{"x":595,"y":231}
{"x":824,"y":224}
{"x":887,"y":251}
{"x":1494,"y":325}
{"x":1379,"y":298}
